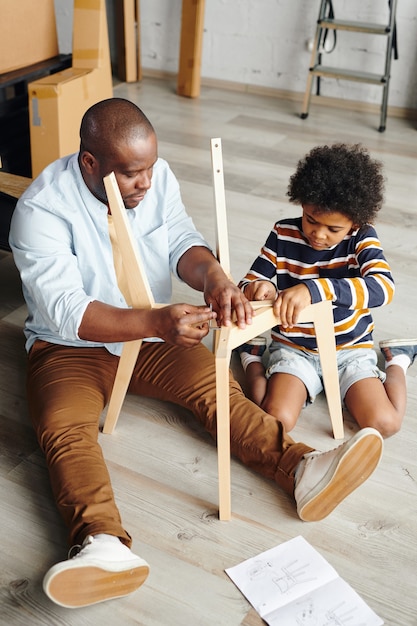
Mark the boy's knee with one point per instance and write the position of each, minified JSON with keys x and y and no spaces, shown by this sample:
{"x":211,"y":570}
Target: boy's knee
{"x":390,"y":429}
{"x":387,"y":426}
{"x":286,"y":418}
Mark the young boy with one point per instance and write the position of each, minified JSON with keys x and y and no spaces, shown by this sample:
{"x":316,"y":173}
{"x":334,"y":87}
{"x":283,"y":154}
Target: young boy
{"x":331,"y":252}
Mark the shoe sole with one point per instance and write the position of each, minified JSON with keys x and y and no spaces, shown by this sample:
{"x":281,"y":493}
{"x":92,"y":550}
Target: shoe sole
{"x":80,"y":586}
{"x":352,"y":469}
{"x":392,"y":343}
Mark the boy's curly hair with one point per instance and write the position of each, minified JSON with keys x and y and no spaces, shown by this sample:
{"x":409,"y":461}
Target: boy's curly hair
{"x":342,"y":178}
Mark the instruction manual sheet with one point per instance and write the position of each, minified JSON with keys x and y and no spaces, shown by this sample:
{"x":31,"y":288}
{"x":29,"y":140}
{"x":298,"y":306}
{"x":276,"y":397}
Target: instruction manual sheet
{"x":294,"y":584}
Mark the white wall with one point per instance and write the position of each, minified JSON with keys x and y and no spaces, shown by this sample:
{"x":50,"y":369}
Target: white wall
{"x":263,"y":43}
{"x":64,"y":13}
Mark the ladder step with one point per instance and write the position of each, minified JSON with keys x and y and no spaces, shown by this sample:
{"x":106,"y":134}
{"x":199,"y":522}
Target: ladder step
{"x":362,"y":77}
{"x":358,"y":27}
{"x":327,"y":22}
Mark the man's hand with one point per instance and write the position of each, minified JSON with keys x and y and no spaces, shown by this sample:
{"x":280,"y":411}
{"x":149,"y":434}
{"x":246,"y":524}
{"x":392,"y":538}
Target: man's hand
{"x":290,"y":303}
{"x":182,"y":324}
{"x":202,"y":271}
{"x":226,"y":298}
{"x":179,"y":324}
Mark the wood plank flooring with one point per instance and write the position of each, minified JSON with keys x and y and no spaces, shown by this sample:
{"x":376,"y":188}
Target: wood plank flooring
{"x":163,"y":467}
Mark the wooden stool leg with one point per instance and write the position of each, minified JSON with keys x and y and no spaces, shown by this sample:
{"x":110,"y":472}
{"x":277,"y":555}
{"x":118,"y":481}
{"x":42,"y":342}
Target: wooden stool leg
{"x":327,"y":351}
{"x":192,"y":28}
{"x":141,"y":297}
{"x":121,"y":383}
{"x":223,"y":354}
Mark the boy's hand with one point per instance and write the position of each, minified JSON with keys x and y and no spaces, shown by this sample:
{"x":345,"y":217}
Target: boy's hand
{"x":260,"y":290}
{"x":290,"y":303}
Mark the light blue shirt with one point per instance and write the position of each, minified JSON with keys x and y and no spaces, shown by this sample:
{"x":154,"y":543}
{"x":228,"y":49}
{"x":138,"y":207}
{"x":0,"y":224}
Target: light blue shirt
{"x":61,"y":245}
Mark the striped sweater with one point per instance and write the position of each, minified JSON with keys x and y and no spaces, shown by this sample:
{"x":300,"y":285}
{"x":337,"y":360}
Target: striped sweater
{"x":354,"y":275}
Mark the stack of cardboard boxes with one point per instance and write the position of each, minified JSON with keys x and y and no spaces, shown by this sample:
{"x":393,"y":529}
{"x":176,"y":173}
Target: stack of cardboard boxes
{"x":57,"y":102}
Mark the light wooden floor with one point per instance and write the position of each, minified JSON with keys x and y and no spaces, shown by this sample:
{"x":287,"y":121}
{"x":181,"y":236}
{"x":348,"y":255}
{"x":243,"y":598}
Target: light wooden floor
{"x":163,"y":467}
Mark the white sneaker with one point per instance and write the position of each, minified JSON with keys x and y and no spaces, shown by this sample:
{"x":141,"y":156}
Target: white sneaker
{"x":101,"y":570}
{"x":324,"y":479}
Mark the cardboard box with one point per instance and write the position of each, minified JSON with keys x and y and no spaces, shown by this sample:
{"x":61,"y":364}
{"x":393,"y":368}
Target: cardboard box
{"x":28,"y":33}
{"x":58,"y":102}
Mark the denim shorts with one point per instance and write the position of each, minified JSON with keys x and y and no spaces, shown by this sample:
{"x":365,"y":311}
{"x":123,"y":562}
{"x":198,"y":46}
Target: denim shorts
{"x":353,"y":364}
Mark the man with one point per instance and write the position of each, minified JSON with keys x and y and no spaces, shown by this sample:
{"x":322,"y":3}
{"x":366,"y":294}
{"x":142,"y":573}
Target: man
{"x":61,"y":237}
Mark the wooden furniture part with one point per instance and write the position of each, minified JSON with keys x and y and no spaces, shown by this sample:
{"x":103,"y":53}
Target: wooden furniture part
{"x":140,"y":294}
{"x":129,"y":68}
{"x":230,"y":337}
{"x":192,"y":22}
{"x":11,"y":188}
{"x":13,"y":185}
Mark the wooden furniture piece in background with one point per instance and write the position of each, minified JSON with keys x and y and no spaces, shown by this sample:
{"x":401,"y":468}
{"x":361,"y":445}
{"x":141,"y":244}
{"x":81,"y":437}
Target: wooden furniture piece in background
{"x":189,"y":71}
{"x":129,"y":67}
{"x":13,"y":185}
{"x":191,"y":43}
{"x":11,"y":188}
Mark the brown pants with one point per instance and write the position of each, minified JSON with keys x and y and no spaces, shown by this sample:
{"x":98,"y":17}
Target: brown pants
{"x":68,"y":389}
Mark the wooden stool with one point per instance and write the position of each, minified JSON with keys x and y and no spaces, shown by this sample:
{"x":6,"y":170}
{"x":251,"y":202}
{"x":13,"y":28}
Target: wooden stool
{"x":226,"y":339}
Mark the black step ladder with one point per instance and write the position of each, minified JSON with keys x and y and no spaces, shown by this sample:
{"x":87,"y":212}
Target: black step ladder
{"x":326,"y":23}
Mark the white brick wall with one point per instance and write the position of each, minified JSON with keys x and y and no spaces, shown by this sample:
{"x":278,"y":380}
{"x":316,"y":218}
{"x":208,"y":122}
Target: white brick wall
{"x":263,"y":43}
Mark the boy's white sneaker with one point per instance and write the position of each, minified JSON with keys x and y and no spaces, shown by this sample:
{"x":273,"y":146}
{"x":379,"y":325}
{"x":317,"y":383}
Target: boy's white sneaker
{"x":100,"y":571}
{"x":324,"y":479}
{"x":391,"y":348}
